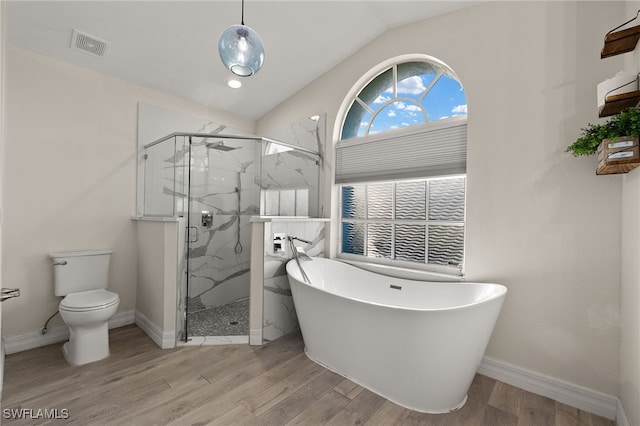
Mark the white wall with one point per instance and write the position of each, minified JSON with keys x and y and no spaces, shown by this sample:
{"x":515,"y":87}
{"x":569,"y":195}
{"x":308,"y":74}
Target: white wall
{"x":3,"y":50}
{"x":630,"y":310}
{"x":630,"y":292}
{"x":538,"y":220}
{"x":71,"y":176}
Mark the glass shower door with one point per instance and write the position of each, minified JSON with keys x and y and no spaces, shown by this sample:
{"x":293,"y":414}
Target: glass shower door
{"x":180,"y":195}
{"x":222,"y":196}
{"x":196,"y":225}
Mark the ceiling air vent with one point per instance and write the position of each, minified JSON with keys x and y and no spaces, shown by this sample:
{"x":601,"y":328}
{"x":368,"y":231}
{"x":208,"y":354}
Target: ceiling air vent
{"x":88,"y":44}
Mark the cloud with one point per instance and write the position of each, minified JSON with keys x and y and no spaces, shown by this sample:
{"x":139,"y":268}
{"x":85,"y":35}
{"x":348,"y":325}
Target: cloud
{"x":382,"y":99}
{"x":364,"y":124}
{"x":459,"y":109}
{"x":391,"y":113}
{"x":412,"y":86}
{"x":402,"y":106}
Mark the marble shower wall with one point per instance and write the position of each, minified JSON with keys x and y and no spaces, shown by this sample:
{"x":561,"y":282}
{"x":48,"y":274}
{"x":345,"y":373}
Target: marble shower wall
{"x":223,"y":183}
{"x":291,"y":179}
{"x":279,"y":315}
{"x":155,"y":173}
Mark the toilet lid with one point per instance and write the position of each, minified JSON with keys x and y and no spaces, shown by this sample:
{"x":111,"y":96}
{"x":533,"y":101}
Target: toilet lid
{"x":89,"y":300}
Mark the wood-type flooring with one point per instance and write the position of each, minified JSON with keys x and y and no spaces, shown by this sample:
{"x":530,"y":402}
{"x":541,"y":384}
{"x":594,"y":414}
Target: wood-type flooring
{"x":275,"y":384}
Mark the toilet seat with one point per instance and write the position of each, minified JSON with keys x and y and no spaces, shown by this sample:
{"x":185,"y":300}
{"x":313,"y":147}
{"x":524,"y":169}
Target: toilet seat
{"x":91,"y":300}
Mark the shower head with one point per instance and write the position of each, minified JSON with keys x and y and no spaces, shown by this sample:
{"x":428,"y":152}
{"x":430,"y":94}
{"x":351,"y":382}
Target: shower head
{"x":220,"y":146}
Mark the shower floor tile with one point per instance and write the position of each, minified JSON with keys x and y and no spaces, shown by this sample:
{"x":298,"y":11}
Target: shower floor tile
{"x":231,"y":319}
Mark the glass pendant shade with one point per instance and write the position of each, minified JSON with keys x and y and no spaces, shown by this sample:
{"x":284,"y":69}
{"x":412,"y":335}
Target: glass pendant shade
{"x":241,"y":50}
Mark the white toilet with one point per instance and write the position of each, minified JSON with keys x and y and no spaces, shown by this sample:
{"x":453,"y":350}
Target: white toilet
{"x":82,"y":277}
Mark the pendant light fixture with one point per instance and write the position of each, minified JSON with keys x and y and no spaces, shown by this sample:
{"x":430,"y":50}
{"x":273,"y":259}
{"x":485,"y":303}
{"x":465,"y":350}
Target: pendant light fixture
{"x":241,"y":49}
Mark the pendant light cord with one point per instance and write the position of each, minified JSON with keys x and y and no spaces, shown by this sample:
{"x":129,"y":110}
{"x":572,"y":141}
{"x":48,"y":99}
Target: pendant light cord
{"x":242,"y":16}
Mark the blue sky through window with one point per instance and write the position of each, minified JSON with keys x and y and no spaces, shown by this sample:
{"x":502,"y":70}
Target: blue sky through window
{"x":445,"y":98}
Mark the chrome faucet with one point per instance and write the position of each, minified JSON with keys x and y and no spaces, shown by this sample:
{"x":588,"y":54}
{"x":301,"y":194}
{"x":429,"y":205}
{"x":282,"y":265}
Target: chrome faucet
{"x":299,"y":254}
{"x":298,"y":251}
{"x":291,"y":237}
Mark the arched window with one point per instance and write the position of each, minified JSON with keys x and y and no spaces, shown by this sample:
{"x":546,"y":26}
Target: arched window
{"x":405,"y":94}
{"x":401,"y":166}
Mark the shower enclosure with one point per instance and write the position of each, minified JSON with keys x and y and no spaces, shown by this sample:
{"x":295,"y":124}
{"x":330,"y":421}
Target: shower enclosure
{"x":216,"y":183}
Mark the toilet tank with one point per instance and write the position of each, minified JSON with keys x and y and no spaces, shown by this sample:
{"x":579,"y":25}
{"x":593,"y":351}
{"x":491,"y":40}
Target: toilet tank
{"x":76,"y":271}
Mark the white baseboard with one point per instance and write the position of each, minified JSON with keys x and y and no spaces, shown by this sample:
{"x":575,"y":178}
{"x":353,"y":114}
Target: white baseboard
{"x":55,"y":334}
{"x":621,"y":417}
{"x":576,"y":396}
{"x":164,"y":339}
{"x":255,"y":337}
{"x":121,"y":319}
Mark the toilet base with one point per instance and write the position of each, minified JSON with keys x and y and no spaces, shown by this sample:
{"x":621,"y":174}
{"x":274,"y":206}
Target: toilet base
{"x":87,"y":345}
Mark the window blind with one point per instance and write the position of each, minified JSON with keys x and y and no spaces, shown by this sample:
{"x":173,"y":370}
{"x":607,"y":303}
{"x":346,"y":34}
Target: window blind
{"x":438,"y":149}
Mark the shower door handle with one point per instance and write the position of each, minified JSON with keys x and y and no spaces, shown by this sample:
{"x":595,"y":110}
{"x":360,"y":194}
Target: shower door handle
{"x":189,"y":234}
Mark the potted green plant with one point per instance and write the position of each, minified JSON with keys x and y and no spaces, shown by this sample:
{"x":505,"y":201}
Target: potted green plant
{"x":615,"y":142}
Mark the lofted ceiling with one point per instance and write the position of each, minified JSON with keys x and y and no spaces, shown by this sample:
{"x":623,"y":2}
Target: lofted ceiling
{"x":171,"y":46}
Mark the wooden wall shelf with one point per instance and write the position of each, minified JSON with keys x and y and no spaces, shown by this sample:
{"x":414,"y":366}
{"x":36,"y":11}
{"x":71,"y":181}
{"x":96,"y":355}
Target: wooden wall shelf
{"x":615,"y":103}
{"x":622,"y":41}
{"x":620,"y":156}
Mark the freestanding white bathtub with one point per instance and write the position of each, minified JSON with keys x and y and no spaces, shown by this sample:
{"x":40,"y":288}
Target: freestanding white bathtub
{"x":416,"y":343}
